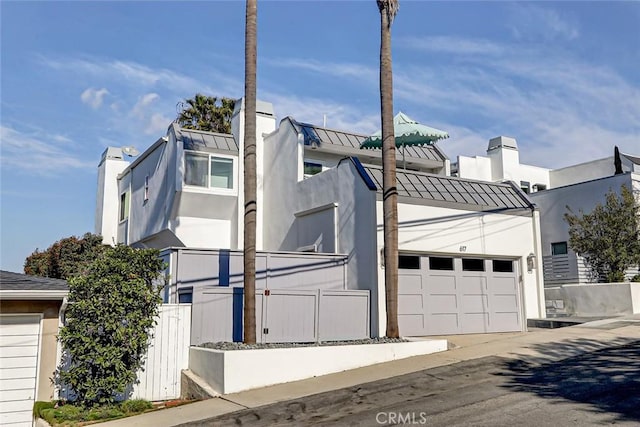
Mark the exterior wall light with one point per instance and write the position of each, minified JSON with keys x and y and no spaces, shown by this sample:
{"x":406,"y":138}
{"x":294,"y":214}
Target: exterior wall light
{"x":531,"y":262}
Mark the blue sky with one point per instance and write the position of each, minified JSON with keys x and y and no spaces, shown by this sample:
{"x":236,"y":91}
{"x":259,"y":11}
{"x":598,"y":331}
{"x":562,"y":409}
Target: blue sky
{"x":560,"y":77}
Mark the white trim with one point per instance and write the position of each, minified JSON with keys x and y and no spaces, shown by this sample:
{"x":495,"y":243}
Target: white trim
{"x":316,"y":209}
{"x":26,"y":294}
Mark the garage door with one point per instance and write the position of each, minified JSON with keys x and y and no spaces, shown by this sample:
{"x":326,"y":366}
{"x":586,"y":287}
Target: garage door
{"x":19,"y":339}
{"x":442,"y":295}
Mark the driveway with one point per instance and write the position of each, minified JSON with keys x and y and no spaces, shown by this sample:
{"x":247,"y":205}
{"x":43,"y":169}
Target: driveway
{"x":596,"y":388}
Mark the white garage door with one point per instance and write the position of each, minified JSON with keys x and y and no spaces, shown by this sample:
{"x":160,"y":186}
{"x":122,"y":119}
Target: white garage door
{"x":19,"y":340}
{"x":444,"y":295}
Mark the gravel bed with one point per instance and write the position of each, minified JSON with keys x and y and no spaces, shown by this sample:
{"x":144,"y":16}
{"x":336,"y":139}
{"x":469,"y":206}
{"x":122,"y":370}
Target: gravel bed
{"x":243,"y":346}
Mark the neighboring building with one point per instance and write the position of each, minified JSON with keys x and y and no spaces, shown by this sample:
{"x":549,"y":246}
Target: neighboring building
{"x":470,"y":257}
{"x":503,"y":164}
{"x":561,"y":264}
{"x":32,"y":309}
{"x":579,"y":187}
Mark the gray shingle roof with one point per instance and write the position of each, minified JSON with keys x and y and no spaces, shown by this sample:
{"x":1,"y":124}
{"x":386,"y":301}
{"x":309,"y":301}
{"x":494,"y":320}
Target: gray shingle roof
{"x":10,"y":281}
{"x":454,"y":192}
{"x":351,"y":141}
{"x":196,"y":140}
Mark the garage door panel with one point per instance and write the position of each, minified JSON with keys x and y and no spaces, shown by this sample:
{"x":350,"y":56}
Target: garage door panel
{"x":410,"y":283}
{"x":17,"y":351}
{"x":504,"y":285}
{"x":473,"y":284}
{"x":504,"y":303}
{"x":24,"y":418}
{"x":437,"y":284}
{"x":17,"y":362}
{"x":18,"y":327}
{"x":411,"y":324}
{"x":439,"y":304}
{"x":13,"y":373}
{"x":503,"y":322}
{"x":443,"y":324}
{"x":19,"y":394}
{"x":16,"y":406}
{"x":475,"y":303}
{"x":475,"y":322}
{"x":411,"y":304}
{"x":19,"y":341}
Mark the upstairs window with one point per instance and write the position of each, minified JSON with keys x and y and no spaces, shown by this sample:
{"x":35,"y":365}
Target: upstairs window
{"x":208,"y":170}
{"x":311,"y":168}
{"x":559,"y":248}
{"x":525,"y":186}
{"x":124,"y":206}
{"x":146,"y":188}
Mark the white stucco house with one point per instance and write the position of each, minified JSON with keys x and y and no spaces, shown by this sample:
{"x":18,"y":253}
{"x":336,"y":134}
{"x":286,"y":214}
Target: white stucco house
{"x":578,"y":187}
{"x":470,"y":252}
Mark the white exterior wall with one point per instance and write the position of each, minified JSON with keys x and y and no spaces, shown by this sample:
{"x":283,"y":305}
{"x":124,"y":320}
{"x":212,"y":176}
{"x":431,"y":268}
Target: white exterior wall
{"x":106,"y":217}
{"x":475,"y":168}
{"x":425,"y":229}
{"x":265,"y":124}
{"x":583,"y":172}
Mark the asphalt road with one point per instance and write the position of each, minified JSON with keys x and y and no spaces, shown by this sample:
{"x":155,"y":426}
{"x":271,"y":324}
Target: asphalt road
{"x":599,"y":388}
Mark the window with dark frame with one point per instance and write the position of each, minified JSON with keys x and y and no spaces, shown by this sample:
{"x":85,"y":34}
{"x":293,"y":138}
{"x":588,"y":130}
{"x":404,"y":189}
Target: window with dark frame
{"x":502,"y":266}
{"x":311,"y":168}
{"x":185,"y":296}
{"x":409,"y":262}
{"x":559,"y":248}
{"x":472,"y":264}
{"x":146,"y":188}
{"x":440,"y":263}
{"x":124,"y":206}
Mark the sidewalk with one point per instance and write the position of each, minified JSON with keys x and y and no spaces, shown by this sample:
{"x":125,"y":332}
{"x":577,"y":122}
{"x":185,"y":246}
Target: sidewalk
{"x":537,"y":345}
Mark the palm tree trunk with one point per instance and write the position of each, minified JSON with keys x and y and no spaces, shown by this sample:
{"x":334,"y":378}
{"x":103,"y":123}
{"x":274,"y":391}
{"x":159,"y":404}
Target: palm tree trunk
{"x":250,"y":193}
{"x":388,"y":10}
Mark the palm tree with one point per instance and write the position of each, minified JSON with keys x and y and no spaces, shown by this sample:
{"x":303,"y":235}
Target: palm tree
{"x":250,"y":193}
{"x":207,"y":113}
{"x":388,"y":10}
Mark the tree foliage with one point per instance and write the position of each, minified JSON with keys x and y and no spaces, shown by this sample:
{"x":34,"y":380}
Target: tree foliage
{"x":607,"y":238}
{"x":111,"y":311}
{"x":208,"y":113}
{"x":65,"y":258}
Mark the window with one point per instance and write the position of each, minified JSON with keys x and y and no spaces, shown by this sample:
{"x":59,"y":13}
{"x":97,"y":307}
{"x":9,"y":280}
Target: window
{"x":438,"y":263}
{"x":208,"y":171}
{"x":146,"y":188}
{"x":525,"y":186}
{"x":409,"y":262}
{"x":559,"y":248}
{"x":311,"y":168}
{"x":502,"y":266}
{"x":472,"y":264}
{"x":185,"y":296}
{"x":539,"y":187}
{"x":124,"y":206}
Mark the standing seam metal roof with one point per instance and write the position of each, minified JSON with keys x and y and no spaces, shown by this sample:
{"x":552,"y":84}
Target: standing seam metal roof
{"x":349,"y":140}
{"x":484,"y":195}
{"x":192,"y":139}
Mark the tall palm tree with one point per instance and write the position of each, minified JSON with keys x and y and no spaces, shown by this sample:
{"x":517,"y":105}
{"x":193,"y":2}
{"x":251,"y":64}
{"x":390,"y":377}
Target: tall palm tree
{"x":388,"y":10}
{"x":250,"y":193}
{"x":207,"y":113}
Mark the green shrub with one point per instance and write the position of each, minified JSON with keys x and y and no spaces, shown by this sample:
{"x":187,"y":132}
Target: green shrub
{"x":135,"y":406}
{"x":636,"y":278}
{"x":103,"y":413}
{"x":63,"y":413}
{"x":112,"y":309}
{"x":41,"y":405}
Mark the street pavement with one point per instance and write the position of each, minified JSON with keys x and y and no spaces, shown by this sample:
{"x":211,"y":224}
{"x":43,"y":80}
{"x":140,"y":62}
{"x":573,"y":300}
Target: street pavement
{"x":581,"y":375}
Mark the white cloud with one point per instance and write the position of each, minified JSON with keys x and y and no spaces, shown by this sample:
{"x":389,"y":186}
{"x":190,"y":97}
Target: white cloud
{"x":94,"y":97}
{"x":157,"y":124}
{"x":37,"y":155}
{"x":140,"y":108}
{"x":529,"y":21}
{"x":453,"y":45}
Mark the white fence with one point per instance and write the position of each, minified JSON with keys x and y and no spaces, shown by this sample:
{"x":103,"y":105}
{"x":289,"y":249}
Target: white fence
{"x":167,"y":356}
